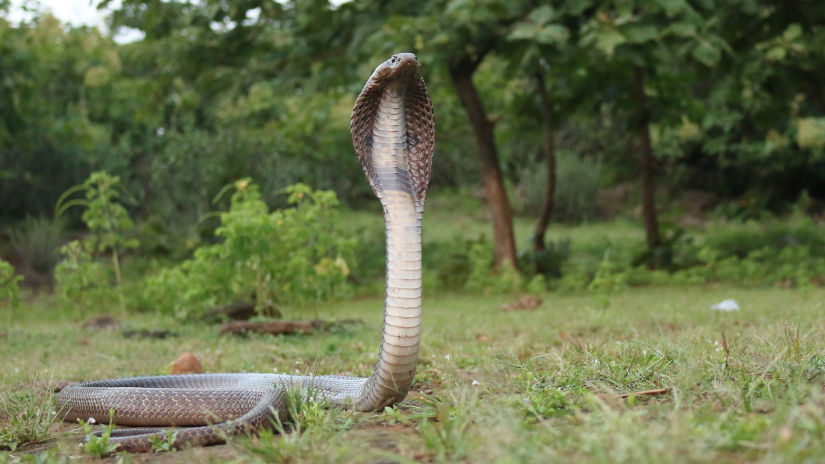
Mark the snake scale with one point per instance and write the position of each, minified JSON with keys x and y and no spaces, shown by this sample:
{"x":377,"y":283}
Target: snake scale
{"x":393,"y":133}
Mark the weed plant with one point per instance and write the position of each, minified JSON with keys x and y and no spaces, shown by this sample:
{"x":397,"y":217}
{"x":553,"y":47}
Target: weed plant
{"x":108,"y":221}
{"x":25,"y":417}
{"x":9,"y":287}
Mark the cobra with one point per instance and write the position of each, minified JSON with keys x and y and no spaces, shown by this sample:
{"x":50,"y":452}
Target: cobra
{"x":393,"y":133}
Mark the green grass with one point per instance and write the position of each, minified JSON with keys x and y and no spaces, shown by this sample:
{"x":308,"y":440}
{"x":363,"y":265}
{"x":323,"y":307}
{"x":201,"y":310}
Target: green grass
{"x":465,"y":217}
{"x":496,"y":386}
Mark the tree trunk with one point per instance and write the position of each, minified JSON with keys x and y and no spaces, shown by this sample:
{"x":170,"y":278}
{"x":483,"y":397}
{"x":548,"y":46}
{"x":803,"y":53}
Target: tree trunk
{"x":498,"y":205}
{"x":647,"y":161}
{"x":548,"y":148}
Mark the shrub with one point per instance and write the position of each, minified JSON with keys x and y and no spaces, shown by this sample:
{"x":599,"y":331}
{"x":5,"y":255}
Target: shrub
{"x":576,"y":188}
{"x":107,"y":220}
{"x":609,"y":275}
{"x":741,"y":239}
{"x":485,"y":278}
{"x":9,"y":289}
{"x":292,"y":255}
{"x":449,"y":260}
{"x":547,"y":262}
{"x":468,"y":264}
{"x":79,"y":276}
{"x":36,"y":241}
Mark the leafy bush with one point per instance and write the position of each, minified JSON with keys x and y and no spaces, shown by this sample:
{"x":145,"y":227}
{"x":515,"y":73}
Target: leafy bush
{"x":107,"y":221}
{"x":576,"y":188}
{"x":371,"y":256}
{"x":793,"y":266}
{"x":742,"y":239}
{"x":292,"y":255}
{"x":9,"y":289}
{"x":609,"y":275}
{"x":462,"y":263}
{"x":449,"y":260}
{"x":79,"y":276}
{"x":788,"y":253}
{"x":36,"y":241}
{"x":547,"y":262}
{"x":485,"y":278}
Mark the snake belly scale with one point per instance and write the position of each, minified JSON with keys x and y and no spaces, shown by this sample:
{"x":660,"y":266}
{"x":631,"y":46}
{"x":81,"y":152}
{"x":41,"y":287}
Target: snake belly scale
{"x":393,"y":133}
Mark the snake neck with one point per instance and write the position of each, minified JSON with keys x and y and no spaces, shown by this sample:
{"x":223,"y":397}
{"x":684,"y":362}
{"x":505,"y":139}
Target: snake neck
{"x":398,"y":355}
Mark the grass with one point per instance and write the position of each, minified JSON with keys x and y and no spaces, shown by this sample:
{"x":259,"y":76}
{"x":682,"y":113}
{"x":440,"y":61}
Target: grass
{"x":463,"y":216}
{"x":26,"y":416}
{"x":493,"y":386}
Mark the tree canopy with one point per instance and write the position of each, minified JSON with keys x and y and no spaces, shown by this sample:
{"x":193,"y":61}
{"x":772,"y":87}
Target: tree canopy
{"x":712,"y":95}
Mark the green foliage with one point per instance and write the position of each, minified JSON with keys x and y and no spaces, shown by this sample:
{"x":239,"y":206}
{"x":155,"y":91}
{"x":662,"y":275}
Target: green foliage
{"x":734,"y":98}
{"x":104,"y":215}
{"x":292,"y":255}
{"x":36,"y":240}
{"x":449,"y":261}
{"x":107,"y":220}
{"x":487,"y":279}
{"x":543,"y":397}
{"x":80,"y":278}
{"x":306,"y":410}
{"x":444,"y":430}
{"x":741,"y":239}
{"x":609,"y":275}
{"x":64,"y":109}
{"x":9,"y":289}
{"x":537,"y":285}
{"x":167,"y":443}
{"x":547,"y":262}
{"x":785,"y":253}
{"x":25,"y":418}
{"x":97,"y":443}
{"x":311,"y":430}
{"x":577,"y":187}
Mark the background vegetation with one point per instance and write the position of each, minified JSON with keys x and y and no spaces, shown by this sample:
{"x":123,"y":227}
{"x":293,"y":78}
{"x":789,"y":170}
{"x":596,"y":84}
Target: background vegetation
{"x":616,"y":155}
{"x":674,"y":112}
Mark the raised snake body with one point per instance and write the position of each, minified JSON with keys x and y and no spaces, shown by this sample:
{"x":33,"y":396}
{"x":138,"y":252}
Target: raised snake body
{"x":393,"y":134}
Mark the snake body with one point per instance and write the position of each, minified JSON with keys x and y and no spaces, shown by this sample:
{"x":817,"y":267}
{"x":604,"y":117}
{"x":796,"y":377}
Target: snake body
{"x":393,"y":134}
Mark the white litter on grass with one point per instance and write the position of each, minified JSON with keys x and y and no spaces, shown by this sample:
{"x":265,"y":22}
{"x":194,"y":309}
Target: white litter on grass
{"x":727,"y":305}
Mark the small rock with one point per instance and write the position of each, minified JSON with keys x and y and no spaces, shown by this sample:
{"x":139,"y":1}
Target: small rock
{"x":83,"y":341}
{"x":483,"y":337}
{"x":187,"y":364}
{"x":727,"y":305}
